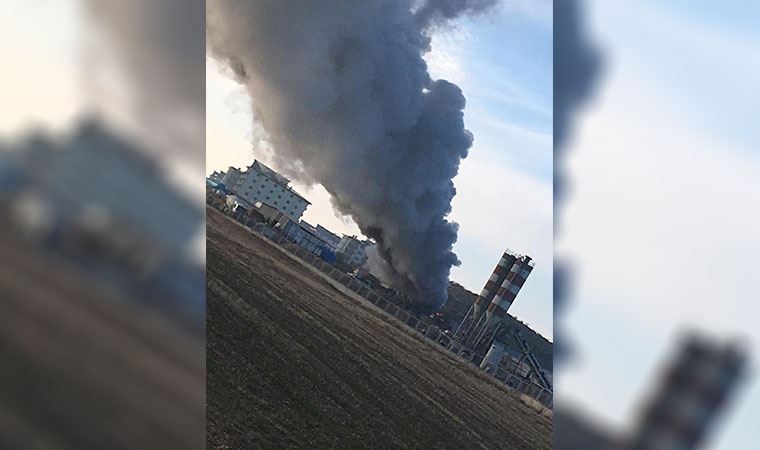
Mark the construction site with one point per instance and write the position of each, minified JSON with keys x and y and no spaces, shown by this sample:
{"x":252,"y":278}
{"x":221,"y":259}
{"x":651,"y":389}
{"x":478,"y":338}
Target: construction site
{"x":302,"y":356}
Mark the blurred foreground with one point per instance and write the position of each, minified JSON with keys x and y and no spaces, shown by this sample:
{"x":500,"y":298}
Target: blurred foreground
{"x":86,"y":367}
{"x":102,"y":313}
{"x":102,"y":292}
{"x":656,"y":163}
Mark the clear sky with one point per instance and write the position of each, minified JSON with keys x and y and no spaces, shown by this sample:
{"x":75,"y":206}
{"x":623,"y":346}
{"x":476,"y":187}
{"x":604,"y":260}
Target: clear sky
{"x":662,"y":217}
{"x":503,"y":63}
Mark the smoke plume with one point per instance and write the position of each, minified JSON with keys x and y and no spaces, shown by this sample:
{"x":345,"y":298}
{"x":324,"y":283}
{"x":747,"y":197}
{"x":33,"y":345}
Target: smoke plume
{"x":344,"y":94}
{"x":159,"y":53}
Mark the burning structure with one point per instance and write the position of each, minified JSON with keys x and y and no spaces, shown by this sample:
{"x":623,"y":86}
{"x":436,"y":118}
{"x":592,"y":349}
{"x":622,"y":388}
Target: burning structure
{"x":340,"y":91}
{"x":487,"y":312}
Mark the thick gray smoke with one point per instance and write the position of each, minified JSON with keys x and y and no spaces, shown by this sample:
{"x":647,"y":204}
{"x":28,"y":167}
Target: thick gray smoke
{"x":343,"y":91}
{"x":160,"y":52}
{"x":431,"y":11}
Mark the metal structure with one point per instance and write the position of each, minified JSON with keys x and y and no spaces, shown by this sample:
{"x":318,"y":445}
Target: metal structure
{"x":536,"y":369}
{"x":498,"y":294}
{"x":497,"y":349}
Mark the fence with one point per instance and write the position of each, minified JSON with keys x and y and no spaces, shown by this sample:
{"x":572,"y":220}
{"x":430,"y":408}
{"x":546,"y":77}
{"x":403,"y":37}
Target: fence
{"x":420,"y":324}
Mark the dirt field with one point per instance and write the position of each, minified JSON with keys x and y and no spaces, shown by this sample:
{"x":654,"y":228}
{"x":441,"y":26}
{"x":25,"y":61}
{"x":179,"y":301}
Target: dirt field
{"x":294,"y":363}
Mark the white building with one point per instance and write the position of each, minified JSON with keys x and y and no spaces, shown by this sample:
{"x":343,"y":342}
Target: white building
{"x":259,"y":183}
{"x":352,"y":250}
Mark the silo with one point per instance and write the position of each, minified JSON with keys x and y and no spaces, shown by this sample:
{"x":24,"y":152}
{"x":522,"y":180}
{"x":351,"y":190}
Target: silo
{"x":493,"y":358}
{"x":494,"y":281}
{"x":498,"y":275}
{"x":506,"y":293}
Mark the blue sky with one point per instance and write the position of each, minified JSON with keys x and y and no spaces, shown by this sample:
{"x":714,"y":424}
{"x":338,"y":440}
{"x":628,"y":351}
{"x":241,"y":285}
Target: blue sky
{"x":503,"y":62}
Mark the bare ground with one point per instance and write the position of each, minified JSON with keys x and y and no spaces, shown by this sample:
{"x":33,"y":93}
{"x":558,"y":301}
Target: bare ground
{"x":292,"y":362}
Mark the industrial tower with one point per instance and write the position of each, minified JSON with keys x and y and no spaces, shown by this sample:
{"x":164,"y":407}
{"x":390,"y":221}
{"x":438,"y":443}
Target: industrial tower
{"x":500,"y":291}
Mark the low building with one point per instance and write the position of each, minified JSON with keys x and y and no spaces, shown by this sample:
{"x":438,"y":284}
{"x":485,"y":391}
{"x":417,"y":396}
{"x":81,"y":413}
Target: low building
{"x":307,"y":226}
{"x":237,"y":205}
{"x":217,"y":177}
{"x":352,"y":250}
{"x":365,"y":276}
{"x":303,"y":234}
{"x":329,"y":237}
{"x":231,"y":177}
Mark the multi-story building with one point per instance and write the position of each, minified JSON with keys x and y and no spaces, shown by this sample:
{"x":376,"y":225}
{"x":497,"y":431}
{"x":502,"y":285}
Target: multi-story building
{"x":259,"y":183}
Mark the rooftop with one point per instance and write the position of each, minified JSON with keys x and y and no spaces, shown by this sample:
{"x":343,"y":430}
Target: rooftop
{"x":276,"y":177}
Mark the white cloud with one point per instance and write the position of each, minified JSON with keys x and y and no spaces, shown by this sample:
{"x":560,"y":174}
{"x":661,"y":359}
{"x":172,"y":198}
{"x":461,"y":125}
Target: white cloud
{"x":539,"y":10}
